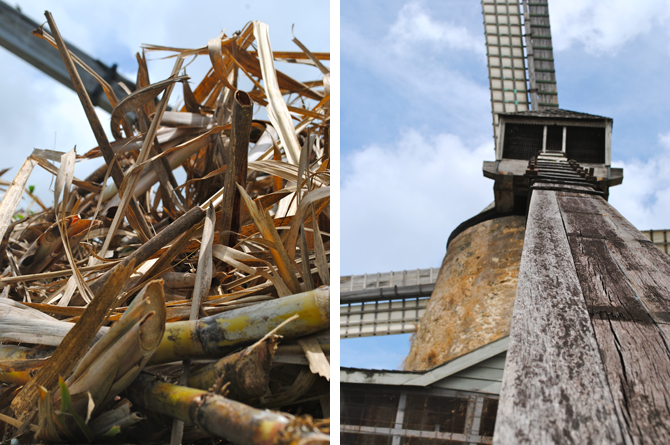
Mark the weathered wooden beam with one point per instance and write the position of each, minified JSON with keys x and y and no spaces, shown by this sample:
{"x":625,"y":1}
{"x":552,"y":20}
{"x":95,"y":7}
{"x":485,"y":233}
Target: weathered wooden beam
{"x":626,"y":282}
{"x":15,"y":36}
{"x":588,"y":360}
{"x":554,"y":386}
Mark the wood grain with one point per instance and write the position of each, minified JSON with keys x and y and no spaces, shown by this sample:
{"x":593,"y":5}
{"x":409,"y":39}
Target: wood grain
{"x":632,"y":346}
{"x":554,"y":385}
{"x":603,"y":220}
{"x":625,"y":280}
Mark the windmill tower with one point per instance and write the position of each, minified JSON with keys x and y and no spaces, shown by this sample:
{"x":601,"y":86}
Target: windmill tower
{"x":581,"y":296}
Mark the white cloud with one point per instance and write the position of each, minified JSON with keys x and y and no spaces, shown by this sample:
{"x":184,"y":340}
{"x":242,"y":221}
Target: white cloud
{"x":645,"y":193}
{"x":425,"y":81}
{"x":400,"y":202}
{"x":604,"y":26}
{"x":415,"y":25}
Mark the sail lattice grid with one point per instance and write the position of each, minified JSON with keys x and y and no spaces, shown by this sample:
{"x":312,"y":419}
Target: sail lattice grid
{"x":520,"y":56}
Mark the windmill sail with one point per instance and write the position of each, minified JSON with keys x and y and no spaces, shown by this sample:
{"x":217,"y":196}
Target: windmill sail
{"x":540,"y":55}
{"x":520,"y":57}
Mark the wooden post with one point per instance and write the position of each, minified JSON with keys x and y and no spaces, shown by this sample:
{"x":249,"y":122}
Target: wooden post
{"x":563,"y":142}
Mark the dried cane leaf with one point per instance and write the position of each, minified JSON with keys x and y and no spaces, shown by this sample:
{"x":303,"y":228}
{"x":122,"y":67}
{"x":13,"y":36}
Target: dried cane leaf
{"x":277,"y":111}
{"x":311,"y":56}
{"x":46,"y":428}
{"x":269,"y":232}
{"x":318,"y":363}
{"x":13,"y":195}
{"x":137,"y":99}
{"x":216,"y":56}
{"x":203,"y":276}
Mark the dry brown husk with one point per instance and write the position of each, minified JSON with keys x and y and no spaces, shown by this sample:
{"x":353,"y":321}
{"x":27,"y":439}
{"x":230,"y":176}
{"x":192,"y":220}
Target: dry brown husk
{"x":83,"y":261}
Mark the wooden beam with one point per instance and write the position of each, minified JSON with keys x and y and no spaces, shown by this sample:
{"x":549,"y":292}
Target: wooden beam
{"x":626,"y":282}
{"x":15,"y":36}
{"x":588,"y":360}
{"x":554,"y":385}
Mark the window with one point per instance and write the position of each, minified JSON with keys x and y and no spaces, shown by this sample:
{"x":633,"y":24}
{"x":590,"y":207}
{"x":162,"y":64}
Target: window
{"x":368,"y":409}
{"x":586,"y":144}
{"x":554,"y":138}
{"x":522,"y":141}
{"x":583,"y":144}
{"x":432,"y":413}
{"x":488,"y":419}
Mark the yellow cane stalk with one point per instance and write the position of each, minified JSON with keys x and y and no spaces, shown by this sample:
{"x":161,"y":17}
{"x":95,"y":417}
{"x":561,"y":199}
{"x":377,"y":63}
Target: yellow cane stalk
{"x":212,"y":336}
{"x":10,"y":354}
{"x":222,"y":417}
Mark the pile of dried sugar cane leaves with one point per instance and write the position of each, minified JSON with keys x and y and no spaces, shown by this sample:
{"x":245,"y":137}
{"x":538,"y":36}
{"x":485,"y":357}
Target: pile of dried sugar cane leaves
{"x":172,"y":312}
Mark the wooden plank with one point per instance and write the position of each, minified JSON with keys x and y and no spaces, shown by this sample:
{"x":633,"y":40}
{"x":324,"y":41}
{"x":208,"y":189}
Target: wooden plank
{"x":495,"y":362}
{"x":477,"y":372}
{"x":604,"y":221}
{"x":467,"y":384}
{"x":634,"y":352}
{"x":554,"y":386}
{"x":587,"y":190}
{"x":648,"y":272}
{"x":647,"y":269}
{"x":626,"y":284}
{"x":567,"y":187}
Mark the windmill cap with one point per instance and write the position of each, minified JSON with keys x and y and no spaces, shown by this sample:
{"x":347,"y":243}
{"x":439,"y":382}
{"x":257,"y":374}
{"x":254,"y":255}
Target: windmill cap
{"x":555,"y":113}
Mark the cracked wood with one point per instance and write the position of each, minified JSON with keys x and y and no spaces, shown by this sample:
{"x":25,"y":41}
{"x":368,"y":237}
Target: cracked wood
{"x":554,"y":385}
{"x":625,"y":282}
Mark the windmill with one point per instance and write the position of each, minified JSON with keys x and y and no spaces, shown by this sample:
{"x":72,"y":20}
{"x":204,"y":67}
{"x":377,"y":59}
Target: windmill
{"x":549,"y":279}
{"x":592,"y":296}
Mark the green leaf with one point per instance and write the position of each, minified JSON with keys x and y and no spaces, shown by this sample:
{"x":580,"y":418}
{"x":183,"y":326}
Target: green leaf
{"x":113,"y":431}
{"x":31,"y":189}
{"x":66,"y":406}
{"x":65,"y":400}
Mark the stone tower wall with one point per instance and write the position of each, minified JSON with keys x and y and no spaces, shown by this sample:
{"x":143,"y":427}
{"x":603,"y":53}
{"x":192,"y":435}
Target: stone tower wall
{"x":473,"y":299}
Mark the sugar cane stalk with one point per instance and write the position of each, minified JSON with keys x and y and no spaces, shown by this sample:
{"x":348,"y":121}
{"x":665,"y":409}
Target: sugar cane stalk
{"x":222,"y":417}
{"x":10,"y":354}
{"x":213,"y":336}
{"x":246,"y":372}
{"x":229,"y":222}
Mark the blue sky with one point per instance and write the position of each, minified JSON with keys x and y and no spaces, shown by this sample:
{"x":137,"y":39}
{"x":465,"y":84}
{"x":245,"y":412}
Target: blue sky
{"x":416,"y":124}
{"x":39,"y":112}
